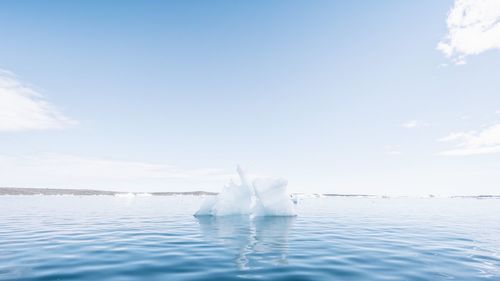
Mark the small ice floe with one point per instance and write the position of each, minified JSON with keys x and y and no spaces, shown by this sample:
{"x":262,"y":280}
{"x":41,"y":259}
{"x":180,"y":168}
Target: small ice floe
{"x":262,"y":197}
{"x":130,"y":194}
{"x":133,"y":194}
{"x":301,"y":196}
{"x":144,"y":194}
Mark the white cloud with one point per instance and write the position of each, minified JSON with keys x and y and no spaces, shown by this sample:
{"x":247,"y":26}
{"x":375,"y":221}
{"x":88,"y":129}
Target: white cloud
{"x":393,"y":149}
{"x":22,"y":108}
{"x":473,"y":28}
{"x":414,"y":124}
{"x":67,"y":171}
{"x":486,"y":141}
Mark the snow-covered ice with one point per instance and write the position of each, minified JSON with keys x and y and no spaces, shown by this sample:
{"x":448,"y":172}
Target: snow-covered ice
{"x":272,"y":198}
{"x":262,"y":197}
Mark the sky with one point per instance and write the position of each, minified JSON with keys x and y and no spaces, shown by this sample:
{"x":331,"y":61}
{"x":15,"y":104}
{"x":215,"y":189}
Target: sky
{"x":358,"y":97}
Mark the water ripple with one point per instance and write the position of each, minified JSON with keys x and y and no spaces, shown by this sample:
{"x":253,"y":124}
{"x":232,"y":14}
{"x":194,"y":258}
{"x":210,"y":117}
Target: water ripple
{"x":157,"y":238}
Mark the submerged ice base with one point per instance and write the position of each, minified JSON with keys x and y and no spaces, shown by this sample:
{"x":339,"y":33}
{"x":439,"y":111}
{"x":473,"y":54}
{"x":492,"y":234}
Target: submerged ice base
{"x":263,"y":197}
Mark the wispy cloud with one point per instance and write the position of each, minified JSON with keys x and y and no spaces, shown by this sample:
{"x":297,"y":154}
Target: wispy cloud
{"x":393,"y":149}
{"x":412,"y":124}
{"x":473,"y":28}
{"x":22,"y":108}
{"x":61,"y":170}
{"x":485,"y":141}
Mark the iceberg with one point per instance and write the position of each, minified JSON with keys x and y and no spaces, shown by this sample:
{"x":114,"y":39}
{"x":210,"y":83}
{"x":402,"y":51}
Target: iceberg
{"x":272,"y":198}
{"x":262,"y":197}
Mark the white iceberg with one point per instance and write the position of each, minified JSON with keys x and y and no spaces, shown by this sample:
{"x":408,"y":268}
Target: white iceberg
{"x":264,"y":197}
{"x":272,"y":198}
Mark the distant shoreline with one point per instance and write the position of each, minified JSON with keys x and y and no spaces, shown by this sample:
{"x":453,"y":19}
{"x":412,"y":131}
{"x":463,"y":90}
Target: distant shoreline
{"x":62,"y":191}
{"x":90,"y":192}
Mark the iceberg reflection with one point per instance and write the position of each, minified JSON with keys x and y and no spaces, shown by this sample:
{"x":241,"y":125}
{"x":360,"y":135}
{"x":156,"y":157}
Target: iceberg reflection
{"x":255,"y":241}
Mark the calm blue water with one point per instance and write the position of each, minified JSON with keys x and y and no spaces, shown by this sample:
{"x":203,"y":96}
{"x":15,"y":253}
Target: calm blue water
{"x":157,"y":238}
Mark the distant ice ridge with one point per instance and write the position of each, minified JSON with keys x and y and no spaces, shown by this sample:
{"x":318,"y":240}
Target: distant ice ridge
{"x":132,"y":194}
{"x":262,"y":197}
{"x":129,"y":194}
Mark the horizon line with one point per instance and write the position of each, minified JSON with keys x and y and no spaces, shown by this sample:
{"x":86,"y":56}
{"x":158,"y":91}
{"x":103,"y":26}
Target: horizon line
{"x":90,"y":191}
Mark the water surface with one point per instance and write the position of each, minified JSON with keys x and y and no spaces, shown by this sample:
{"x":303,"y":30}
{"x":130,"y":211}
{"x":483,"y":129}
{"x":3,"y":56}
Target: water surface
{"x":157,"y":238}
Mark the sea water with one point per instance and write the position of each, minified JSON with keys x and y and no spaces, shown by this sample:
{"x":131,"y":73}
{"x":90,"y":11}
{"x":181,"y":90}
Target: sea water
{"x":158,"y":238}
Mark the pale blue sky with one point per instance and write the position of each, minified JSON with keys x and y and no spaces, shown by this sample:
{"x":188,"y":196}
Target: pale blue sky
{"x":337,"y":97}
